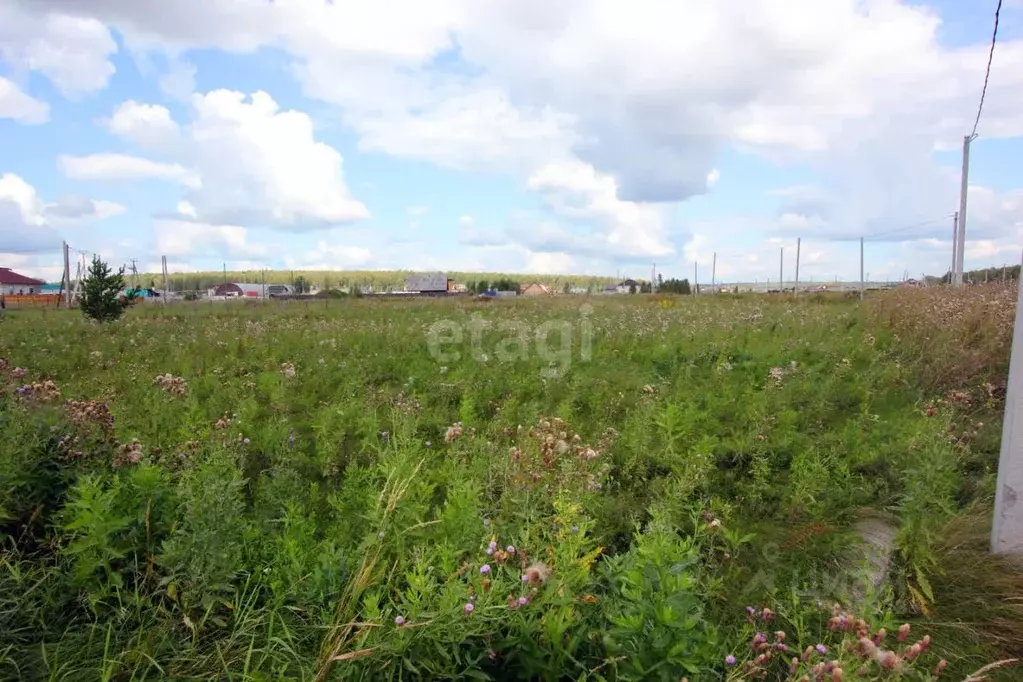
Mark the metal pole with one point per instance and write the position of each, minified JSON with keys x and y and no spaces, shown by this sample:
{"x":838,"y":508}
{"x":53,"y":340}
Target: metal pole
{"x":963,"y":189}
{"x":955,"y":247}
{"x":861,"y":268}
{"x":696,"y":277}
{"x":781,"y":270}
{"x":795,"y":289}
{"x":714,"y":274}
{"x":67,"y":275}
{"x":1007,"y":526}
{"x":166,"y":288}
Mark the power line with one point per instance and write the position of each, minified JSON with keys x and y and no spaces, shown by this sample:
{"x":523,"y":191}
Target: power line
{"x":908,"y":227}
{"x":987,"y":73}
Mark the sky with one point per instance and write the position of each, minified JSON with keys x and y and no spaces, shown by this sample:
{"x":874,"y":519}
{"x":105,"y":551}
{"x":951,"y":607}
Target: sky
{"x":579,"y":137}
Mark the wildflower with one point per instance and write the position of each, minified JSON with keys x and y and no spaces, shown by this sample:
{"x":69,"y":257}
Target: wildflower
{"x":767,"y":614}
{"x":486,"y":523}
{"x":903,"y":632}
{"x":468,"y":608}
{"x":485,"y":569}
{"x":821,"y":649}
{"x":428,"y":443}
{"x":490,"y":551}
{"x":523,"y":601}
{"x":525,"y":578}
{"x":380,"y":535}
{"x":793,"y":666}
{"x":730,"y":660}
{"x":245,"y":441}
{"x":399,"y":621}
{"x":537,"y":573}
{"x":940,"y":668}
{"x":510,"y":549}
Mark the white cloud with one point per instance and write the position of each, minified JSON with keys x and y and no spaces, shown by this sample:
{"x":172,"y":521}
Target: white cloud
{"x":331,"y":255}
{"x":20,"y":106}
{"x":124,"y":167}
{"x":27,"y":222}
{"x":148,"y":125}
{"x":177,"y":238}
{"x":647,"y":94}
{"x":244,"y":160}
{"x":72,"y":50}
{"x":624,"y":228}
{"x":72,"y":208}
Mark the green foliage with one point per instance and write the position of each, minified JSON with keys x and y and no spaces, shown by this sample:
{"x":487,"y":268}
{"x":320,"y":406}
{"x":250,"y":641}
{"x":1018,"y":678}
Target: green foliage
{"x":316,"y":473}
{"x":100,"y":288}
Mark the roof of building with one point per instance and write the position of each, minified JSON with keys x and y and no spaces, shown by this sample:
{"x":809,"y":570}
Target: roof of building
{"x":629,"y":283}
{"x":11,"y":278}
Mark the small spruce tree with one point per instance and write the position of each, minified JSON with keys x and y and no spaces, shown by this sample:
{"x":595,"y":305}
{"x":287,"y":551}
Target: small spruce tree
{"x":100,"y":290}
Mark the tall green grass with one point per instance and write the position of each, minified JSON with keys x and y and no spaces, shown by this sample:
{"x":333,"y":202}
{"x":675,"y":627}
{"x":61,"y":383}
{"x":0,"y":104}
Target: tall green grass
{"x":313,"y":494}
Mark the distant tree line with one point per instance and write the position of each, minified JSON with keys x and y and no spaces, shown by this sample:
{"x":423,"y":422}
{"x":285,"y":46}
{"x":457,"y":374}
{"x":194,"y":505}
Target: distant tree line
{"x":985,"y":275}
{"x":483,"y":285}
{"x":675,"y":286}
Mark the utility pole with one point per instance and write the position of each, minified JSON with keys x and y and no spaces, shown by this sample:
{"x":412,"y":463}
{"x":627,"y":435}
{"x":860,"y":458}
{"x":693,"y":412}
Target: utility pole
{"x":166,"y":289}
{"x":861,"y":269}
{"x":963,"y":190}
{"x":714,"y":274}
{"x":781,"y":270}
{"x":696,"y":277}
{"x":955,"y":248}
{"x":1007,"y":526}
{"x":795,"y":289}
{"x":67,"y":275}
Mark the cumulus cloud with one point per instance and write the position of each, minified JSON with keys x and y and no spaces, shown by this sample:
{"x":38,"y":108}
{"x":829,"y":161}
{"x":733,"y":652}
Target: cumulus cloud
{"x":177,"y":238}
{"x":243,"y":160}
{"x":73,"y":208}
{"x":20,"y":106}
{"x":150,"y":126}
{"x":647,"y":94}
{"x":27,"y":222}
{"x":110,"y":167}
{"x":70,"y":49}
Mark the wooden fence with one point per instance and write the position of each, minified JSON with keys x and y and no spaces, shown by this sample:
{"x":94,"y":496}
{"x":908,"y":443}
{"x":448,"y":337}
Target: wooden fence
{"x":15,"y":301}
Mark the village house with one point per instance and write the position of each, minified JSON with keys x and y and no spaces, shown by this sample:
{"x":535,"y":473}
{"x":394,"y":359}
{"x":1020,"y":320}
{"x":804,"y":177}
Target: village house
{"x":240,"y":290}
{"x":535,"y":289}
{"x":14,"y":284}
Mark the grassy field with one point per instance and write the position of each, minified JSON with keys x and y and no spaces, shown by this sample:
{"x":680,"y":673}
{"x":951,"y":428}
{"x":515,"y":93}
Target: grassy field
{"x":630,"y":488}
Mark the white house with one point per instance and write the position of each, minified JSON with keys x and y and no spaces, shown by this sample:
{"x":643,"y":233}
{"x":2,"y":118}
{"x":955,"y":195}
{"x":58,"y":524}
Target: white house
{"x":14,"y":284}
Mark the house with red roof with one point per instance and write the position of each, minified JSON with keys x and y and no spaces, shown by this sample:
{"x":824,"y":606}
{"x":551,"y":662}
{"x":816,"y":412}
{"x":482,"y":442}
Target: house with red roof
{"x":14,"y":284}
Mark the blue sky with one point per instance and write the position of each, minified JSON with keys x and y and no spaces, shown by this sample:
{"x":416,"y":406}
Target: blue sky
{"x":594,"y":137}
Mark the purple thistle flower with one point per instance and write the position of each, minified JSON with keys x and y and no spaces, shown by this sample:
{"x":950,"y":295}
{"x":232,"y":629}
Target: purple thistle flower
{"x":490,"y":551}
{"x":510,"y":549}
{"x":525,"y":578}
{"x":468,"y":608}
{"x":821,"y":649}
{"x":492,"y":545}
{"x":399,"y":621}
{"x":730,"y":660}
{"x":523,"y":601}
{"x":485,"y":568}
{"x":749,"y":610}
